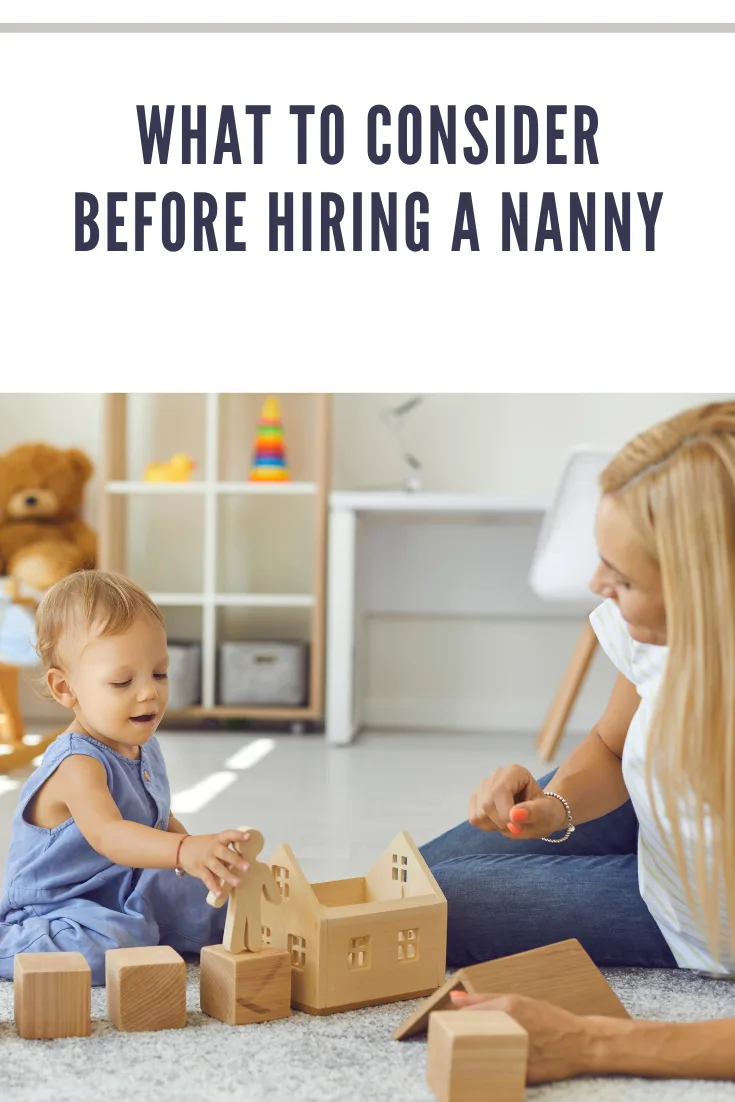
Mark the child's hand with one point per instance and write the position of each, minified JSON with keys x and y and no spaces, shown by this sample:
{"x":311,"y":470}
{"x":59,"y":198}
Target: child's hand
{"x":208,"y":857}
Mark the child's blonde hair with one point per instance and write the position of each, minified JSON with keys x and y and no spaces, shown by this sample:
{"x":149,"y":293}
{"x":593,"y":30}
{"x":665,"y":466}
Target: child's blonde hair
{"x":85,"y":598}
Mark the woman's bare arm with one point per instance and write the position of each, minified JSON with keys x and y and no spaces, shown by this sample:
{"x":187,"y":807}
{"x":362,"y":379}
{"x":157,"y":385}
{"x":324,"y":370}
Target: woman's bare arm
{"x":562,"y":1045}
{"x":662,"y":1050}
{"x":591,"y":778}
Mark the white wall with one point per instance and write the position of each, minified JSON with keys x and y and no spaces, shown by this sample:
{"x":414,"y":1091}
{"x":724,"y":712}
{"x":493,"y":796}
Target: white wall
{"x":447,"y":672}
{"x":488,"y":443}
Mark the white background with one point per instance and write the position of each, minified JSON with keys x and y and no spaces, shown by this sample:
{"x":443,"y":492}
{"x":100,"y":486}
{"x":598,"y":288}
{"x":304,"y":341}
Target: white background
{"x":299,"y":11}
{"x":488,"y":320}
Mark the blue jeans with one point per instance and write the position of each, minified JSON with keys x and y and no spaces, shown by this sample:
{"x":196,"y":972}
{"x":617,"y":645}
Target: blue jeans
{"x":506,"y":896}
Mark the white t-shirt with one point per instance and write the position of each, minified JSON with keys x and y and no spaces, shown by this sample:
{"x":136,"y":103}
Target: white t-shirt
{"x":658,"y":878}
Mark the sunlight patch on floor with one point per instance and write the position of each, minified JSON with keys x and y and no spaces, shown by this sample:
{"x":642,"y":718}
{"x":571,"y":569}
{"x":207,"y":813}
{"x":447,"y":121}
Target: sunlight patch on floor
{"x":203,"y":792}
{"x":248,"y":756}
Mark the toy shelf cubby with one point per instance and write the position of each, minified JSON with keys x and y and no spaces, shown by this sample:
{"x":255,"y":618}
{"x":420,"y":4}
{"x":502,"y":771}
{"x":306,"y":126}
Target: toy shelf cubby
{"x":217,"y":552}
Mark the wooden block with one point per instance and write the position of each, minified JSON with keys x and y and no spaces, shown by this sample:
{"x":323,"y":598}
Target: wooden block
{"x":239,"y":988}
{"x":562,"y":974}
{"x":476,"y":1055}
{"x":52,"y":994}
{"x":146,"y":988}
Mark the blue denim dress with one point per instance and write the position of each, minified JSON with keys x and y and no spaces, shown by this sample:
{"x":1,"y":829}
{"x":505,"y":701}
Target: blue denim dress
{"x":60,"y":895}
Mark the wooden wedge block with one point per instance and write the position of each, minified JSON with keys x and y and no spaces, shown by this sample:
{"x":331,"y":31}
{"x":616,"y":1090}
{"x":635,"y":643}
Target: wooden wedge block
{"x":146,"y":988}
{"x":52,"y":994}
{"x":562,"y":974}
{"x":475,"y":1056}
{"x":239,"y":988}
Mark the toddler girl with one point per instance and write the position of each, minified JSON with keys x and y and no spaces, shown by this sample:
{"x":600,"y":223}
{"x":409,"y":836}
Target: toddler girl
{"x":94,"y":844}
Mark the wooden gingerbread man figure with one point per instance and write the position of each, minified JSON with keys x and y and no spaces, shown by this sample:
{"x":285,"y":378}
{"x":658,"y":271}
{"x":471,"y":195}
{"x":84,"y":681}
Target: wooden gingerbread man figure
{"x":243,"y":926}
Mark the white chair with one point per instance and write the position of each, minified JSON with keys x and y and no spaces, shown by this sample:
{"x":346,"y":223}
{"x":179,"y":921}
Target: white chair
{"x":564,"y":561}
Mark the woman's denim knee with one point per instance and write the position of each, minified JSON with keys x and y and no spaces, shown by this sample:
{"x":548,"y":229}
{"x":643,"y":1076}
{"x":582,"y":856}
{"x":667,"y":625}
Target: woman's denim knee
{"x":467,"y":904}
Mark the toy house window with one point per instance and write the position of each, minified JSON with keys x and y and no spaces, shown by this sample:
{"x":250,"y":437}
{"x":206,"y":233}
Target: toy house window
{"x":282,"y":876}
{"x":400,"y":868}
{"x":297,"y":949}
{"x":408,"y":944}
{"x":265,"y":934}
{"x":359,"y":952}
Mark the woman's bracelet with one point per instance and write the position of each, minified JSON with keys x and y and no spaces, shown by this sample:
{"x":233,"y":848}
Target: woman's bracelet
{"x":570,"y":825}
{"x":179,"y":871}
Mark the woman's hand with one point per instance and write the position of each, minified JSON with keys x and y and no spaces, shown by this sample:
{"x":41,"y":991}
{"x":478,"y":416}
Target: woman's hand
{"x":511,"y":802}
{"x":209,"y":857}
{"x":559,"y":1043}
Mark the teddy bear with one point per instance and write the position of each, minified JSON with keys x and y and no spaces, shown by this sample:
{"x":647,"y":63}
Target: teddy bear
{"x":42,"y":537}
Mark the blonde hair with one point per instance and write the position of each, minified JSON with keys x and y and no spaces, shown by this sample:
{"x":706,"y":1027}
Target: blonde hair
{"x":82,"y":599}
{"x":676,"y":483}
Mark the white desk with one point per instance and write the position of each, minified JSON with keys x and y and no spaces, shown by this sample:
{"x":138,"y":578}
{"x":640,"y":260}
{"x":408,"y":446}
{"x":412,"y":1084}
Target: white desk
{"x":393,"y":552}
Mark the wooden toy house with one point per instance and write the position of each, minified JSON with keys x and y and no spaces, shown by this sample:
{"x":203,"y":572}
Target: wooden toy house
{"x":370,"y":939}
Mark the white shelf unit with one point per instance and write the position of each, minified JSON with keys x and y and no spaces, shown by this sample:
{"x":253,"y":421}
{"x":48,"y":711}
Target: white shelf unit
{"x":277,"y":488}
{"x":117,"y":492}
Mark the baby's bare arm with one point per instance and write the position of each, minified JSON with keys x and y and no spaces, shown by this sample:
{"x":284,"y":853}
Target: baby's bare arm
{"x":82,"y":784}
{"x":206,"y":856}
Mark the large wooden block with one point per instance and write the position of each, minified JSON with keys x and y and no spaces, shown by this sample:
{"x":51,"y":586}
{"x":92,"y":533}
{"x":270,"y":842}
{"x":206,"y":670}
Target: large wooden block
{"x":476,"y":1055}
{"x":52,"y":994}
{"x":146,"y":988}
{"x":239,"y":988}
{"x":562,"y":974}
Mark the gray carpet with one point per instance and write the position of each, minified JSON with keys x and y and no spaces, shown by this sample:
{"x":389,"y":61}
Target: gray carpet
{"x":342,"y":1058}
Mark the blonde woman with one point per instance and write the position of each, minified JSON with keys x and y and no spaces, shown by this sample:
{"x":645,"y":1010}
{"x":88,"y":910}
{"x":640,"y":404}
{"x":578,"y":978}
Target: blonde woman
{"x":644,"y":808}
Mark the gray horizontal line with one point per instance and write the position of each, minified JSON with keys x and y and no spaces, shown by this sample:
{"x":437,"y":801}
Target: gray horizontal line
{"x":367,"y":28}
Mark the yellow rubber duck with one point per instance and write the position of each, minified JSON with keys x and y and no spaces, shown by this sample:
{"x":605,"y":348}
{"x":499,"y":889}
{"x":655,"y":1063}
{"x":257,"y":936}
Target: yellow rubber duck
{"x":178,"y":469}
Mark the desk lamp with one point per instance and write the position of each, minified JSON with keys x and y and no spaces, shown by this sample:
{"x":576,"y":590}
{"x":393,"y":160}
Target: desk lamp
{"x":394,"y":419}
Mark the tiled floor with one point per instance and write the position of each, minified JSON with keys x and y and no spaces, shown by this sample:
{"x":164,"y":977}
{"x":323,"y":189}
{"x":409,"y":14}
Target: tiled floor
{"x":337,"y":807}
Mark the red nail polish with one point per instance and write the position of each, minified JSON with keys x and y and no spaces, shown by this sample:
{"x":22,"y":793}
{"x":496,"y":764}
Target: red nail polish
{"x":519,"y":814}
{"x":514,"y":829}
